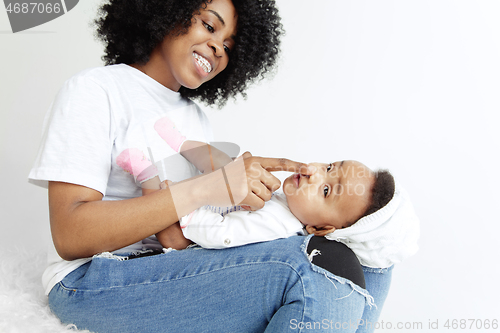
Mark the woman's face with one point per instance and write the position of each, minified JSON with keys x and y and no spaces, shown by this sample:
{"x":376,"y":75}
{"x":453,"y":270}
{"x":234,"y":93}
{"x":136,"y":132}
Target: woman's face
{"x":196,"y":57}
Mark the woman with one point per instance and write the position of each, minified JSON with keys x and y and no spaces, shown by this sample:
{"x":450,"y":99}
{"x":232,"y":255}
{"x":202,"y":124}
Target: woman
{"x":161,"y":53}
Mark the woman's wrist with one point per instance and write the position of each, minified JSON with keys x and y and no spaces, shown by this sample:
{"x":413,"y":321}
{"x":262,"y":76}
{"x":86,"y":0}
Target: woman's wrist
{"x":199,"y":191}
{"x":188,"y":195}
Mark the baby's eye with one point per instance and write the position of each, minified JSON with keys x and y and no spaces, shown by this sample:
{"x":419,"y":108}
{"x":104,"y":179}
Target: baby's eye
{"x":325,"y":190}
{"x":329,"y":167}
{"x":208,"y":27}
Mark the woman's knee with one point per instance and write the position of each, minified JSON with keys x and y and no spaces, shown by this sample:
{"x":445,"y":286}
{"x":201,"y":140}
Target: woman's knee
{"x":300,"y":251}
{"x":336,"y":258}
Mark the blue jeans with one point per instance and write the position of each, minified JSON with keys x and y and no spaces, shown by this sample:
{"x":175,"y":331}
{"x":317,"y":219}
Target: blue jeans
{"x":263,"y":287}
{"x":378,"y":281}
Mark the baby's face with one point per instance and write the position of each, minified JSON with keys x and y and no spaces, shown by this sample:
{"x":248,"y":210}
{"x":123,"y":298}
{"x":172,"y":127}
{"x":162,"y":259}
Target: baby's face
{"x":335,"y":195}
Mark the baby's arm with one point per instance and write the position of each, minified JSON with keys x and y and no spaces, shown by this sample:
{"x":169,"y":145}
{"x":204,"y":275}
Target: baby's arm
{"x":210,"y":229}
{"x":172,"y":236}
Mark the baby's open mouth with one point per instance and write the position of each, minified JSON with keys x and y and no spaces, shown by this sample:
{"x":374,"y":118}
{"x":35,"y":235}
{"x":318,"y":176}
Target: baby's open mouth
{"x":296,"y":179}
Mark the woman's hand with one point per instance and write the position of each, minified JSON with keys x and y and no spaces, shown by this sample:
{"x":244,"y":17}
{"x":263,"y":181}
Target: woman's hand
{"x":248,"y":181}
{"x":261,"y":182}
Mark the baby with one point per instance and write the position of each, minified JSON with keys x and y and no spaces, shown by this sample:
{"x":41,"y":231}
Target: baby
{"x":343,"y":201}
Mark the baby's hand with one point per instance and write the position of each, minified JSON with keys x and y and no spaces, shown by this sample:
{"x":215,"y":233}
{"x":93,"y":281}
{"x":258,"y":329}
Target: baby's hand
{"x":172,"y":237}
{"x":166,"y":183}
{"x":151,"y":185}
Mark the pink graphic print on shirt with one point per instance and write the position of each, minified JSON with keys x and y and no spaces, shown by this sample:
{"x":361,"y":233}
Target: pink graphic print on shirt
{"x":167,"y":130}
{"x":134,"y":162}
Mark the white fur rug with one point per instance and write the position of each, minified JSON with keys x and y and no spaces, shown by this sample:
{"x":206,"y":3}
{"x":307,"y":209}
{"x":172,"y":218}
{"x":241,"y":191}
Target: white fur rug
{"x":23,"y":305}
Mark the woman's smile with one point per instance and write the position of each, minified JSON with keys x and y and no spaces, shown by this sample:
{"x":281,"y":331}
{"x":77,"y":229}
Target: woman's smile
{"x":203,"y":62}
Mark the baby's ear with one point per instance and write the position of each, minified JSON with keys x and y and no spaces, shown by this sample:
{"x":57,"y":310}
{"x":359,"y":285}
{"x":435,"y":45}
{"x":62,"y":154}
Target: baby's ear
{"x":320,"y":231}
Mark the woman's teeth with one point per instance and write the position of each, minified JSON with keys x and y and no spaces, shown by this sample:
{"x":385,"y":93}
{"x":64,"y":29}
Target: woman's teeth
{"x":204,"y":63}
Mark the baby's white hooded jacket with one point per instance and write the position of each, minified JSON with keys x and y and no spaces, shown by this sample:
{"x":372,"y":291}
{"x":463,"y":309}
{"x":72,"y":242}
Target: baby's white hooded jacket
{"x":379,"y":240}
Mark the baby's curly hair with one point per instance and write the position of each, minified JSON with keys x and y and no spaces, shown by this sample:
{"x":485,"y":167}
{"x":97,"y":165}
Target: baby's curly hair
{"x":131,"y":29}
{"x":382,"y":191}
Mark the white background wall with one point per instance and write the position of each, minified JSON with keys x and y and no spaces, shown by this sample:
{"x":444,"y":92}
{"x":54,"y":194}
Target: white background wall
{"x":412,"y":86}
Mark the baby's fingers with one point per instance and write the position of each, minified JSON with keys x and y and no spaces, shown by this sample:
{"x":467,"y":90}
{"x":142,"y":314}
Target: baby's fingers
{"x":166,"y":183}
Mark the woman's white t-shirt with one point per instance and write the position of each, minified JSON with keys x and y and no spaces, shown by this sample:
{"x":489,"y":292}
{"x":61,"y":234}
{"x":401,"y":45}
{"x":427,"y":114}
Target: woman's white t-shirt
{"x":101,"y":113}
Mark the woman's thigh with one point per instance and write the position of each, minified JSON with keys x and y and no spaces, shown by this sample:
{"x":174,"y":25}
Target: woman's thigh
{"x":270,"y":285}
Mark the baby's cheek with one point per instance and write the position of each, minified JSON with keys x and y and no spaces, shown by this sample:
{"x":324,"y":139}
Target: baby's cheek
{"x":294,"y":203}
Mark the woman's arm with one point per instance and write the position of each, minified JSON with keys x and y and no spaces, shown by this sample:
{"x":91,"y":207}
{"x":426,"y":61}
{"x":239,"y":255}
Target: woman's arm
{"x":205,"y":157}
{"x":83,"y":225}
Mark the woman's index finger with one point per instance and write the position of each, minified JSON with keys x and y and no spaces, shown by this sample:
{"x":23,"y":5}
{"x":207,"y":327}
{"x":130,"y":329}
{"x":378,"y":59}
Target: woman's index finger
{"x":284,"y":164}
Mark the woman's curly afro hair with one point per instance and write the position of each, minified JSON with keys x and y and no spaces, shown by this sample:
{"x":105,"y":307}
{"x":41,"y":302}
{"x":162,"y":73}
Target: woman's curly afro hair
{"x":131,"y":29}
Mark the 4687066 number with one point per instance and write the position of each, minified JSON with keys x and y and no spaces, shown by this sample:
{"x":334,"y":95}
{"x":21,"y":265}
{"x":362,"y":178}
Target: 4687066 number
{"x":34,"y":7}
{"x":471,"y":324}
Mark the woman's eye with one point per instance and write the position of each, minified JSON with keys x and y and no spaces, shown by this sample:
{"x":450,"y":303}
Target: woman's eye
{"x":227,"y":49}
{"x":325,"y":190}
{"x":208,"y":27}
{"x":329,"y":167}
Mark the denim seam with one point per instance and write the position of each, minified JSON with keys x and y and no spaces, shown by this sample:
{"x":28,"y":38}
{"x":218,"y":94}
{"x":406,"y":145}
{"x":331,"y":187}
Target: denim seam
{"x":185,"y":277}
{"x":61,"y":284}
{"x":368,"y":298}
{"x":377,"y":270}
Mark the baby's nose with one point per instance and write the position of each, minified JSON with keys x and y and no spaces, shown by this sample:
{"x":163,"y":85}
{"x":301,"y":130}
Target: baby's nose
{"x":315,"y":177}
{"x":313,"y":169}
